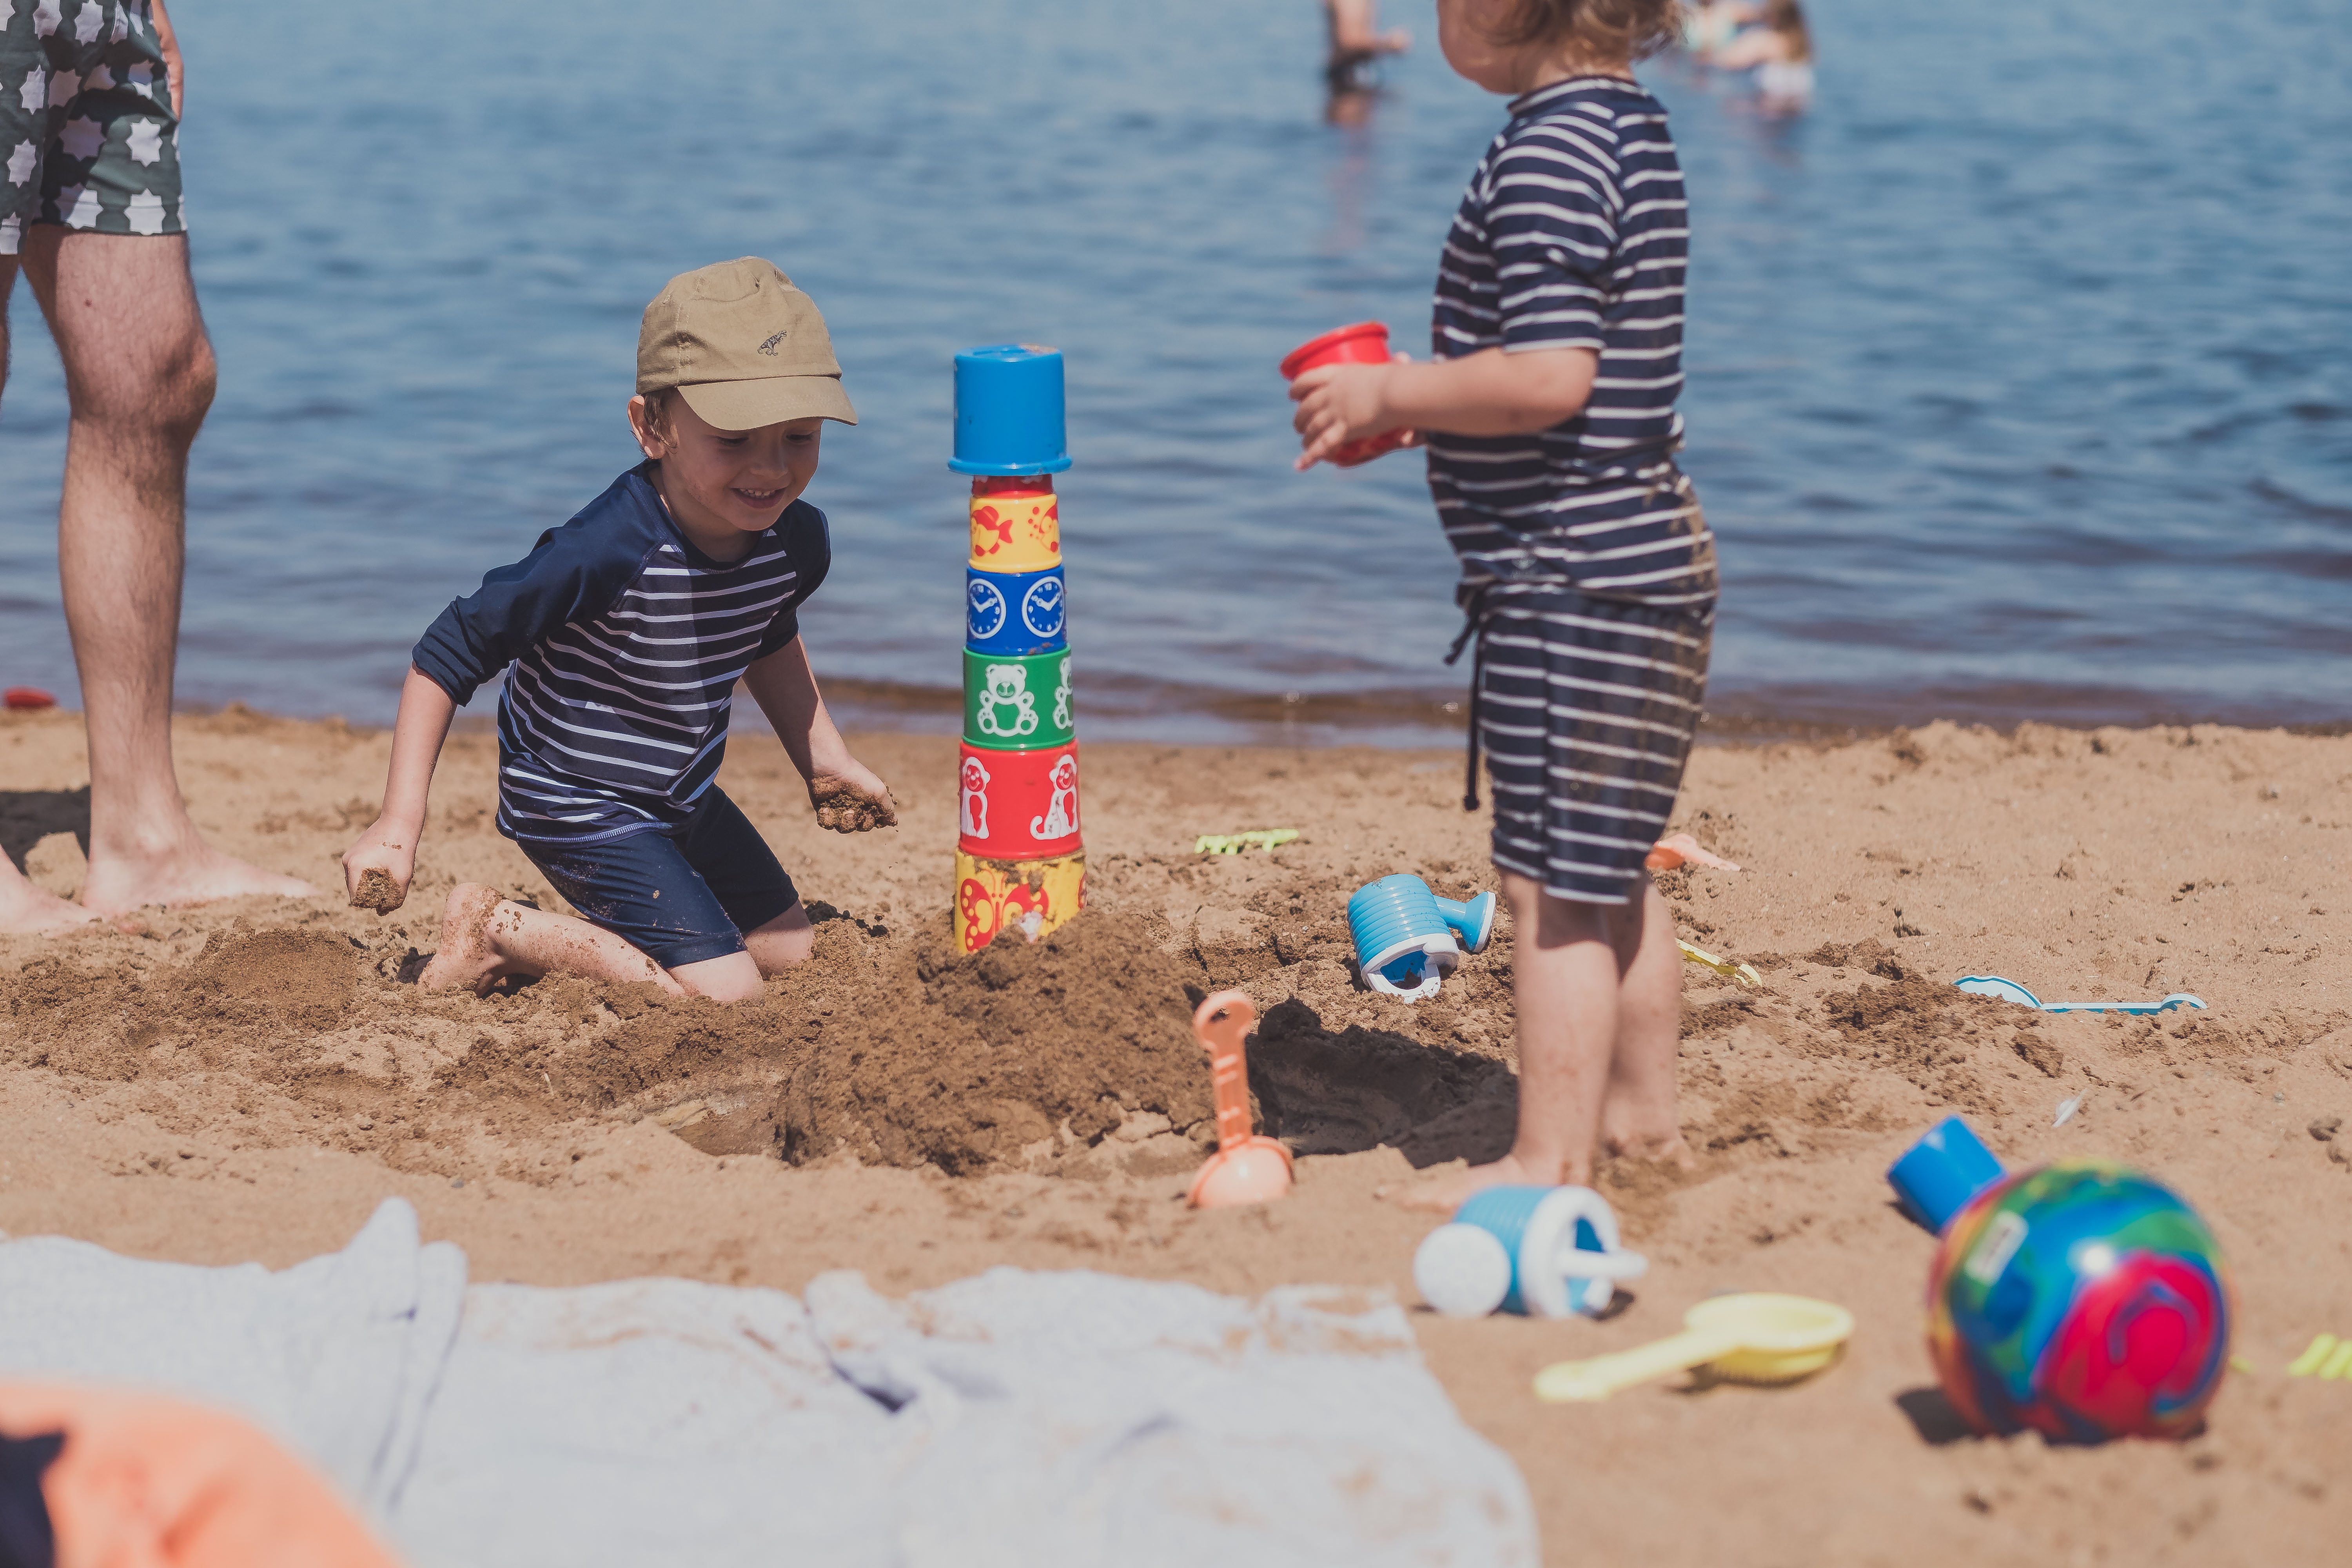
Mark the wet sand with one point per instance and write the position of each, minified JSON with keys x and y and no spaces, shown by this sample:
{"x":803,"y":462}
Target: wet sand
{"x":245,"y":1082}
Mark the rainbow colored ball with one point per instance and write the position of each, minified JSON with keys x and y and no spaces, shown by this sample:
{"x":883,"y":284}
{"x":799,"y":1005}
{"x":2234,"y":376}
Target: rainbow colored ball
{"x":2081,"y":1299}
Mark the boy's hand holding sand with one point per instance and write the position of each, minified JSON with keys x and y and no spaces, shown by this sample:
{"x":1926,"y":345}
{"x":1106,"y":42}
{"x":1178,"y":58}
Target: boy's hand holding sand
{"x":623,"y":635}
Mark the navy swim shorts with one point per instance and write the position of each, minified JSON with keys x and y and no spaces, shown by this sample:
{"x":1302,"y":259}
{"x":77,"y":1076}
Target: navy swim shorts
{"x":88,"y":138}
{"x":680,"y":895}
{"x":1588,"y":708}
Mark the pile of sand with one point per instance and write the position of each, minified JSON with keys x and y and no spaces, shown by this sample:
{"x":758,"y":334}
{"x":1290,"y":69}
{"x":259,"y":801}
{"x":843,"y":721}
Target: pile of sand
{"x":1074,"y":1053}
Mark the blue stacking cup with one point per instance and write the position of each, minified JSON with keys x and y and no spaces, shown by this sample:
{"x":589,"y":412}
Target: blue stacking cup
{"x":1542,"y":1252}
{"x":1403,"y":946}
{"x":1014,"y":613}
{"x":1939,"y":1175}
{"x":1008,"y":411}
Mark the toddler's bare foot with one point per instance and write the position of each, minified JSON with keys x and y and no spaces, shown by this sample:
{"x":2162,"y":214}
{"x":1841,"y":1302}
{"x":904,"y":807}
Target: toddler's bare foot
{"x":467,"y":961}
{"x":190,"y":872}
{"x":1444,"y":1195}
{"x":1652,"y":1149}
{"x":27,"y":909}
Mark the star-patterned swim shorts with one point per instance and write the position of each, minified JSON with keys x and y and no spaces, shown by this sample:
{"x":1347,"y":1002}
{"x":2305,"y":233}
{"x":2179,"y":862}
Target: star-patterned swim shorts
{"x":88,"y":138}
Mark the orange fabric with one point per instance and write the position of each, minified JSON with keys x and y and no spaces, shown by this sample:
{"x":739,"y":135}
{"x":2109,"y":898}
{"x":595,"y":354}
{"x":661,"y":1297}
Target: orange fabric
{"x":146,"y":1482}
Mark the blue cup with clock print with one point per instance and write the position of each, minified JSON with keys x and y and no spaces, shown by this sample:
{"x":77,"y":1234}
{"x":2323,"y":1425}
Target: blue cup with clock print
{"x":1014,"y":613}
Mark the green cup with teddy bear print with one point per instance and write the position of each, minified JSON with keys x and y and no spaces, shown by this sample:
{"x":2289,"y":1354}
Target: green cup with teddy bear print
{"x":1016,"y":702}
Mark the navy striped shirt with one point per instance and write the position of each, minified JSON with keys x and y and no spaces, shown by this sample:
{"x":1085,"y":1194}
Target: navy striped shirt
{"x":627,"y":643}
{"x":1574,"y":234}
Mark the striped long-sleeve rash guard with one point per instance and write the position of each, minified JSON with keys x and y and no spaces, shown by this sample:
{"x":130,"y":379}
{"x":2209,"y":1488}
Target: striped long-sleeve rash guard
{"x":1573,"y":234}
{"x":627,"y":643}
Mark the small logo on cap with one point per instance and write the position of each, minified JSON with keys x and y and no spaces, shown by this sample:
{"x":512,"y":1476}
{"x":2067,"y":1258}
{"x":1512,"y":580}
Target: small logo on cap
{"x":769,"y":348}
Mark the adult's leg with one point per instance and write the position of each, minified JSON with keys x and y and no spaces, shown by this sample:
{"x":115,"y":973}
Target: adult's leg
{"x":139,"y":375}
{"x":23,"y":906}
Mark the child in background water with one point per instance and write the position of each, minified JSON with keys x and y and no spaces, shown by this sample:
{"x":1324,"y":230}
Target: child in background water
{"x":1356,"y":42}
{"x":1781,"y":51}
{"x":623,"y":635}
{"x":1588,"y":572}
{"x":1710,"y":24}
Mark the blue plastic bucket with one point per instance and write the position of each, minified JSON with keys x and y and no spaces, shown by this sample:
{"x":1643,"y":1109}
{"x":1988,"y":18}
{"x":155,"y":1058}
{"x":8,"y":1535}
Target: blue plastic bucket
{"x":1008,"y":411}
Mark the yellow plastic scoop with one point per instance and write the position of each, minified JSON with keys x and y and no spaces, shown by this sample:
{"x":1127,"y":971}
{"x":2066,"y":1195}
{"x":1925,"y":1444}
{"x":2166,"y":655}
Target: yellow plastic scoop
{"x":1752,"y":1338}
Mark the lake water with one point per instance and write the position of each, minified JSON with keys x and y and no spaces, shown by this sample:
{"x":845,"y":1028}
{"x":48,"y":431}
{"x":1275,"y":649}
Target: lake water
{"x":2019,"y":367}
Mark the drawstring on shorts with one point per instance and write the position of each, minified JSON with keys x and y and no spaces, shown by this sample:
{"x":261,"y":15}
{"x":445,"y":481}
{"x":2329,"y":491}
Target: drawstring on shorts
{"x":1473,"y":622}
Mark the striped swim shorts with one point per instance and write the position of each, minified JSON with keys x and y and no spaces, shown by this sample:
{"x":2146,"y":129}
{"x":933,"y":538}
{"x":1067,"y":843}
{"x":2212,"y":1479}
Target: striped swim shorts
{"x":1587,"y":708}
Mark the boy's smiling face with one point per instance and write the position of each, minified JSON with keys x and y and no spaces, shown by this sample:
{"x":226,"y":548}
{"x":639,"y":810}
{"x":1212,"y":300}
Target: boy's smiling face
{"x":724,"y":486}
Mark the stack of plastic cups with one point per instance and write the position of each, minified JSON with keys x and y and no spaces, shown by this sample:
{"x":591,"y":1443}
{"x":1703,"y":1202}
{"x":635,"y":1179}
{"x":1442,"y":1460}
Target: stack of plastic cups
{"x":1019,"y":861}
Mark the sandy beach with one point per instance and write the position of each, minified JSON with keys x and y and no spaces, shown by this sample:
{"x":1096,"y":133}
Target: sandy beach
{"x":229,"y":1083}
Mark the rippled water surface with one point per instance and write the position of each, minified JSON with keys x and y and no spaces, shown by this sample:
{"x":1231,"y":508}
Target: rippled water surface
{"x":2019,"y":380}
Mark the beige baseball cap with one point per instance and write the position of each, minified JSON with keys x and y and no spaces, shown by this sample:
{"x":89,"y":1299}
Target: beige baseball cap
{"x":743,"y":346}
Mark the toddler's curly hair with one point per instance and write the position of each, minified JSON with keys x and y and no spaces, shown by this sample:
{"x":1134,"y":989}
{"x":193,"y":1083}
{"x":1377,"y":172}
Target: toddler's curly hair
{"x":1632,"y":29}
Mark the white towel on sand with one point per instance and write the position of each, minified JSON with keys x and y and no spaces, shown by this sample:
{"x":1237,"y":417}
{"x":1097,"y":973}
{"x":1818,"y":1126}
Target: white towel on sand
{"x":1014,"y":1418}
{"x":337,"y":1357}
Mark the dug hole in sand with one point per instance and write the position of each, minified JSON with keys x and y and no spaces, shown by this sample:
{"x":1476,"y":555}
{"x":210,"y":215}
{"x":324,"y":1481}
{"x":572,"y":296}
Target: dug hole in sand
{"x":244,"y":1082}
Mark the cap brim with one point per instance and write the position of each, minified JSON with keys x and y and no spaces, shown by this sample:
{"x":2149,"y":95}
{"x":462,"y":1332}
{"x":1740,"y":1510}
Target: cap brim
{"x":771,"y":400}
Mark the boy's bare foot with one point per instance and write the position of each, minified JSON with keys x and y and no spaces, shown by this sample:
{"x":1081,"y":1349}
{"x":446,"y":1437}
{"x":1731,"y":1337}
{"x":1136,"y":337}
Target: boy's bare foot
{"x":467,"y":960}
{"x":1444,"y":1195}
{"x":189,"y":872}
{"x":28,"y":910}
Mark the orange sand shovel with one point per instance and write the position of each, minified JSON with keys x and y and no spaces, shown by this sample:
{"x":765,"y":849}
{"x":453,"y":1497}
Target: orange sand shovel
{"x":1246,"y":1168}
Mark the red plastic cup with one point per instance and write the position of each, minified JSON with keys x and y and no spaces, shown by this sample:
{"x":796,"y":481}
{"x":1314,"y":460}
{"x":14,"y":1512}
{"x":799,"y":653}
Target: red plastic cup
{"x":1366,"y":342}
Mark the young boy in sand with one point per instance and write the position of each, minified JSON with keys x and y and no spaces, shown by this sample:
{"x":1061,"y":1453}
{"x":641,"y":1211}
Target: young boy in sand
{"x":627,"y":630}
{"x":1588,"y":573}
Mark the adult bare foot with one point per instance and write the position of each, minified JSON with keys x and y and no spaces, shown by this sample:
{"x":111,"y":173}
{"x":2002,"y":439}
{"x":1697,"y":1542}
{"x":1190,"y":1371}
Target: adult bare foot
{"x":188,"y":872}
{"x":26,"y":910}
{"x":1444,"y":1195}
{"x":467,"y":961}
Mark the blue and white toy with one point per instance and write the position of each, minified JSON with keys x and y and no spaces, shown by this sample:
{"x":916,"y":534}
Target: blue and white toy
{"x":2010,"y":991}
{"x":1408,"y":939}
{"x":1542,"y":1252}
{"x":1472,"y":920}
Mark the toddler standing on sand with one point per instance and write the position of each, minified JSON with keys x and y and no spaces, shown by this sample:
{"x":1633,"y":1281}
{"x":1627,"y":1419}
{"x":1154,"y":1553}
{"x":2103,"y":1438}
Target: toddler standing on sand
{"x":1588,"y":573}
{"x":627,"y":630}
